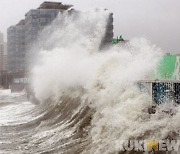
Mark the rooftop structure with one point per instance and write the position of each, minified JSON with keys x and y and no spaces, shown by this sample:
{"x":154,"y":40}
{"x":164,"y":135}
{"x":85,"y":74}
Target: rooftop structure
{"x":54,"y":5}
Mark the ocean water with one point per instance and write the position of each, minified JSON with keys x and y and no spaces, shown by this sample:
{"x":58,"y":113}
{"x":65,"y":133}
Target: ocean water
{"x":89,"y":100}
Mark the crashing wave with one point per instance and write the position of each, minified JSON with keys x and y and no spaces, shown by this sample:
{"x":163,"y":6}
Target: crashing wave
{"x":89,"y":98}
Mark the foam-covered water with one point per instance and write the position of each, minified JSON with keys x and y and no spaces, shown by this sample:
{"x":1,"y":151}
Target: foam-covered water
{"x":89,"y":98}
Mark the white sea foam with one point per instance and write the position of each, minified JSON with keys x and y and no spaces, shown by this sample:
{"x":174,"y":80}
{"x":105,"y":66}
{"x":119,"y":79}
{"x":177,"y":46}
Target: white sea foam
{"x":109,"y":78}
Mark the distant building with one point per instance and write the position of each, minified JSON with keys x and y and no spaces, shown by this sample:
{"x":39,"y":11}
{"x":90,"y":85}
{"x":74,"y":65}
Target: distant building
{"x":16,"y":47}
{"x":5,"y":62}
{"x":1,"y":38}
{"x":1,"y":56}
{"x":37,"y":19}
{"x":1,"y":51}
{"x":108,"y":37}
{"x":22,"y":36}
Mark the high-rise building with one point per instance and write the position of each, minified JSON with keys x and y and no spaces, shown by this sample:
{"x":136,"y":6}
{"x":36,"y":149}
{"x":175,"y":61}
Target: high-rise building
{"x":16,"y":47}
{"x":108,"y":37}
{"x":36,"y":20}
{"x":1,"y":51}
{"x":5,"y":63}
{"x":22,"y":36}
{"x":1,"y":37}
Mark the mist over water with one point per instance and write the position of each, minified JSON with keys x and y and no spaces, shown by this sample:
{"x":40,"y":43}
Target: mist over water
{"x":89,"y":97}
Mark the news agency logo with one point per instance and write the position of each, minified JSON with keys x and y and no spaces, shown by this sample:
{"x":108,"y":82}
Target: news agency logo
{"x":148,"y":145}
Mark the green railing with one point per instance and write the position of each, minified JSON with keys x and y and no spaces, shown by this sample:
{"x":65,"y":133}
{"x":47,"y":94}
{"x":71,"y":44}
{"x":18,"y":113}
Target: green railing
{"x":117,"y":40}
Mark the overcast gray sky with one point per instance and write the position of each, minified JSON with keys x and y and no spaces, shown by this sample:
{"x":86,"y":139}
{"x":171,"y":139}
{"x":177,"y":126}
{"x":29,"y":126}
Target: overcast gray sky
{"x":156,"y":20}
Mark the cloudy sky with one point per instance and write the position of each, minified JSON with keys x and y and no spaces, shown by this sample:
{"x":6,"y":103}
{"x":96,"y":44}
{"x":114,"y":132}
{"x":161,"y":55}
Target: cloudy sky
{"x":156,"y":20}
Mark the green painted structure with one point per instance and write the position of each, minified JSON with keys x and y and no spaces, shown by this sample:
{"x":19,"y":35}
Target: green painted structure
{"x":117,"y":40}
{"x":167,"y":67}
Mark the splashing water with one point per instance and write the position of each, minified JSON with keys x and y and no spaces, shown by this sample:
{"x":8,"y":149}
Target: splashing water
{"x":89,"y":98}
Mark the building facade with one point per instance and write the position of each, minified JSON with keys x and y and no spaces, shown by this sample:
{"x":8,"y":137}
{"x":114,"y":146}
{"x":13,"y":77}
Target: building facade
{"x":5,"y":63}
{"x":1,"y":56}
{"x":1,"y":51}
{"x":16,"y":47}
{"x":21,"y":37}
{"x":37,"y":19}
{"x":108,"y":37}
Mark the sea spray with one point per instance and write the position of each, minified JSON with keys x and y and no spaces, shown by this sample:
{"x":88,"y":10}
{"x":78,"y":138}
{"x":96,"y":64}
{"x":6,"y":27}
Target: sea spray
{"x":107,"y":79}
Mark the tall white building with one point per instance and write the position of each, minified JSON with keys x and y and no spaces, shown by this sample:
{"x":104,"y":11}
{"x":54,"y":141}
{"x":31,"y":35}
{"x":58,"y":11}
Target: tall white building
{"x":1,"y":51}
{"x":5,"y":62}
{"x":1,"y":37}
